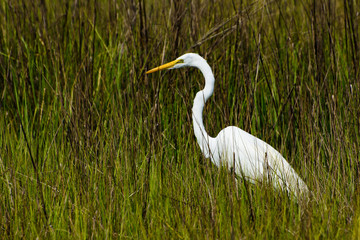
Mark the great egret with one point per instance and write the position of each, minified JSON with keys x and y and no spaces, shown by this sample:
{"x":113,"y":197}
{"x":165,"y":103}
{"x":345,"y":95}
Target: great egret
{"x":251,"y":157}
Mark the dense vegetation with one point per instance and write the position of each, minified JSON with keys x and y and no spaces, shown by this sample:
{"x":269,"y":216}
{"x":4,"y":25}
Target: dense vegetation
{"x":91,"y":147}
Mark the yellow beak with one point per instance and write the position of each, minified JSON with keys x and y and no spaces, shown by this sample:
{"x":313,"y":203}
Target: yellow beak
{"x":165,"y":66}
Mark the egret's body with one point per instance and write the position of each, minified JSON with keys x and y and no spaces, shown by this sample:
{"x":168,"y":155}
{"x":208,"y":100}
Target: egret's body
{"x":251,"y":157}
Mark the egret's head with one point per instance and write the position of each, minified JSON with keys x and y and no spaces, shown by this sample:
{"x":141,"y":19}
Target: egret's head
{"x":186,"y":60}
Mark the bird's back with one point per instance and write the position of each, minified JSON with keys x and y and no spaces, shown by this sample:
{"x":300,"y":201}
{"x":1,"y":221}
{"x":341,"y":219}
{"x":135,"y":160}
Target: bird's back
{"x":254,"y":159}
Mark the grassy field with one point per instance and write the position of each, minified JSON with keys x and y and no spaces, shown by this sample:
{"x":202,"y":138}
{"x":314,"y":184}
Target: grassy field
{"x":92,"y":148}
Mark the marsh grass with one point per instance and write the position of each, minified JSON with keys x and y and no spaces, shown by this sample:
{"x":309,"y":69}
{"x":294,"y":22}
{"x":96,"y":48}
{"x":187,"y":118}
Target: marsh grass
{"x":90,"y":147}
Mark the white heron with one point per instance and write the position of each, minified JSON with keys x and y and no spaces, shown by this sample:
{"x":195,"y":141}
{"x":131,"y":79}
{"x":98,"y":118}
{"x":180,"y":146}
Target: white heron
{"x":250,"y":157}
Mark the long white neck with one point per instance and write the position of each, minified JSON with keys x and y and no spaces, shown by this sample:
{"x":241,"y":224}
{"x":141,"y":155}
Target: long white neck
{"x":203,"y":139}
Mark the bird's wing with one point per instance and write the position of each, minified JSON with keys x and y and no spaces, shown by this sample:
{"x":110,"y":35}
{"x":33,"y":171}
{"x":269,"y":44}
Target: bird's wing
{"x":254,"y":158}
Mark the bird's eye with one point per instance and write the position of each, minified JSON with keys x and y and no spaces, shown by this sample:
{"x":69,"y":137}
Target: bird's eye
{"x":181,"y":61}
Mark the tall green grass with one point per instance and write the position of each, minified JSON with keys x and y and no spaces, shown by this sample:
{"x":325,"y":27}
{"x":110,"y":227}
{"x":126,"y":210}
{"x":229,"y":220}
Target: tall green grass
{"x":91,"y":147}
